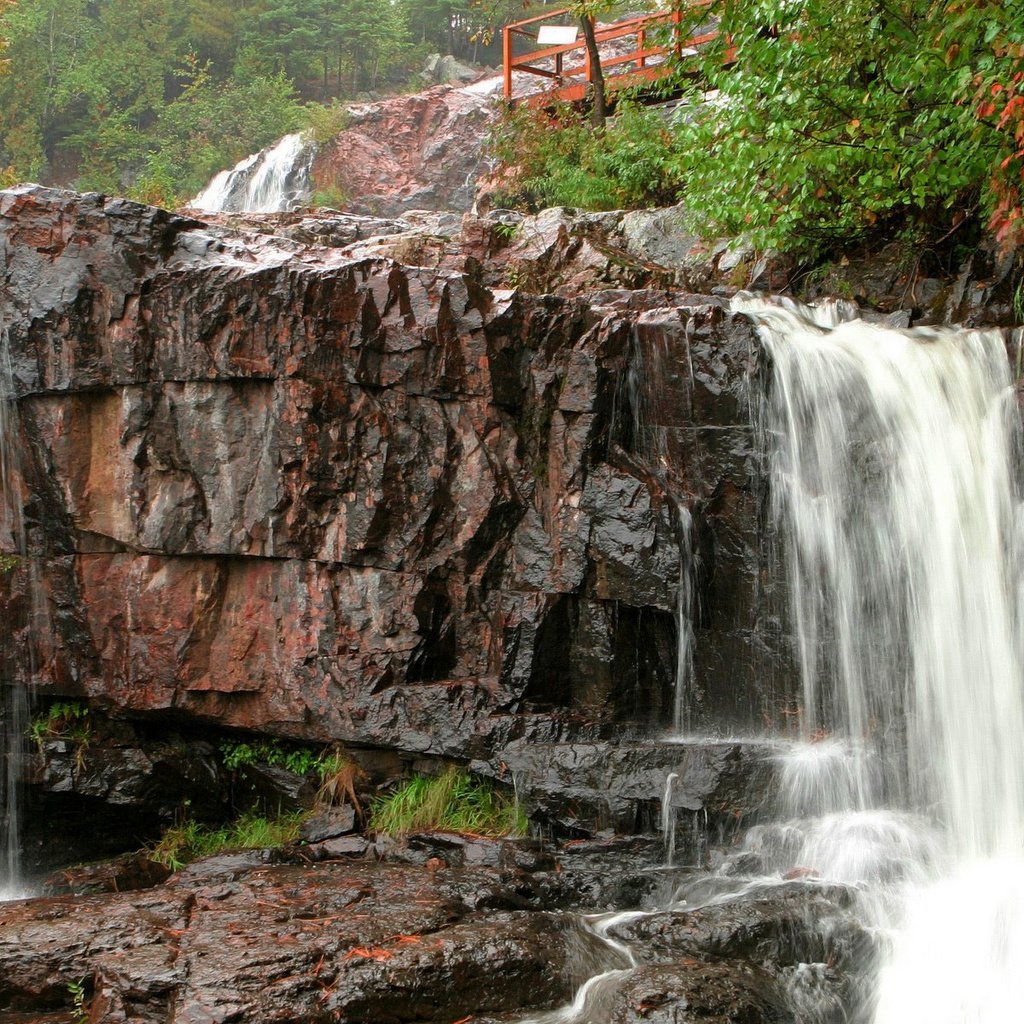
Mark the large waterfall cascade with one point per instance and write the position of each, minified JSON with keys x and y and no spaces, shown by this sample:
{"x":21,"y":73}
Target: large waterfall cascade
{"x":895,"y":479}
{"x":896,"y":486}
{"x":275,"y":180}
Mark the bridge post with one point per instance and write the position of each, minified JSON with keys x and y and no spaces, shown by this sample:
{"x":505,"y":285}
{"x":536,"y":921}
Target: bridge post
{"x":506,"y":50}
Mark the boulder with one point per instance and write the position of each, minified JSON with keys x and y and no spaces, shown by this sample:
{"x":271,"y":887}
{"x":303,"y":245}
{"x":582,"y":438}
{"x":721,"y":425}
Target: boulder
{"x":347,"y":941}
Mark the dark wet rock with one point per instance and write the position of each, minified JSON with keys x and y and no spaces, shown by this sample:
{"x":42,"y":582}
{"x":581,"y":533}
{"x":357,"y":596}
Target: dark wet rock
{"x":328,"y":823}
{"x":606,"y":873}
{"x":273,"y":789}
{"x":798,"y":924}
{"x":157,"y":775}
{"x":808,"y":937}
{"x":621,"y":787}
{"x":698,"y":992}
{"x":512,"y":856}
{"x":121,"y":874}
{"x":354,"y":941}
{"x":332,"y":849}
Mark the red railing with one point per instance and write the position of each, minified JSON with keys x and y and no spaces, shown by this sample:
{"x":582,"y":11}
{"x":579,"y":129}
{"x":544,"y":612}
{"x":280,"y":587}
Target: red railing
{"x":647,"y":61}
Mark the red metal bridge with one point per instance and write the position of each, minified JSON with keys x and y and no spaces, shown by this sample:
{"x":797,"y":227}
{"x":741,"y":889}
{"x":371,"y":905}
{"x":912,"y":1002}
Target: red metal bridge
{"x":646,"y":46}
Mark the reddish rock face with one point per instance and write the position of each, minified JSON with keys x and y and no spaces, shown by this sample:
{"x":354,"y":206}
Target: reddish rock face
{"x":277,"y":490}
{"x":410,"y":152}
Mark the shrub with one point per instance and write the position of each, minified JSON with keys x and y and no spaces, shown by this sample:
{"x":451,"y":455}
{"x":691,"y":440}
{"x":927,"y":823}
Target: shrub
{"x":556,"y":159}
{"x":64,"y":720}
{"x":840,"y":121}
{"x":324,"y":121}
{"x":332,"y":197}
{"x":299,"y":760}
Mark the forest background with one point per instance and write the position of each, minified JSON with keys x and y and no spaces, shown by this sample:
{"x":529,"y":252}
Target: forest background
{"x":150,"y":99}
{"x":830,"y":123}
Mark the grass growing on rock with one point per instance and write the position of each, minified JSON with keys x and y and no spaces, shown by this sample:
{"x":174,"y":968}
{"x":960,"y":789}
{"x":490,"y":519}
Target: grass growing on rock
{"x":191,"y":839}
{"x":452,"y":802}
{"x":65,"y":720}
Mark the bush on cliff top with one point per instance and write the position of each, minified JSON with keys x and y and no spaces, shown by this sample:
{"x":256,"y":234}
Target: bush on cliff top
{"x":555,"y":159}
{"x":836,"y":122}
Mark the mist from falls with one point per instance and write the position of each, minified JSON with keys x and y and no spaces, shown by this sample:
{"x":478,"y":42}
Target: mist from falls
{"x":275,"y":180}
{"x":895,"y":481}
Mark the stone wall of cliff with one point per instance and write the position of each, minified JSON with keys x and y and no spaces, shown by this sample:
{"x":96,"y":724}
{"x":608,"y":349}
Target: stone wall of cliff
{"x":274,"y":489}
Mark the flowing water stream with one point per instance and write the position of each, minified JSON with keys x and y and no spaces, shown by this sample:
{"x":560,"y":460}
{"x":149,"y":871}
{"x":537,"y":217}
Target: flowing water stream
{"x":274,"y":180}
{"x":896,"y":480}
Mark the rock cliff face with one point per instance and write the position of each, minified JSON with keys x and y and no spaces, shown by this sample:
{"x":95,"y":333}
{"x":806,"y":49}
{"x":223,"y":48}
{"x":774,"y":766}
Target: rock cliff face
{"x":274,"y":489}
{"x":411,"y":152}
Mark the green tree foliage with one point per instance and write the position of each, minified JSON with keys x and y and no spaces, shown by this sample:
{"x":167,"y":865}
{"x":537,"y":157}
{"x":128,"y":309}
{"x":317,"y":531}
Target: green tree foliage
{"x":834,"y":119}
{"x":982,"y":42}
{"x":814,"y":124}
{"x":152,"y":97}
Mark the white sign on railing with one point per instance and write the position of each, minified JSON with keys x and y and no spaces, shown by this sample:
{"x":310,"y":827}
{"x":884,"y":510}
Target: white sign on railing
{"x":557,"y":35}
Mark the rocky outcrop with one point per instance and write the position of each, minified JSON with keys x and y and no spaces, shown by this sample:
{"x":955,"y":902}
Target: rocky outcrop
{"x":243,"y":938}
{"x":410,"y":152}
{"x":232,"y":941}
{"x":273,"y":488}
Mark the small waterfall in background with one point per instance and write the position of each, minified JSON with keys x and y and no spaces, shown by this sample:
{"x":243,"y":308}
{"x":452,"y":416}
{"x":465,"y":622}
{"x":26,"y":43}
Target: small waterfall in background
{"x":275,"y":180}
{"x":13,"y":696}
{"x":894,"y":477}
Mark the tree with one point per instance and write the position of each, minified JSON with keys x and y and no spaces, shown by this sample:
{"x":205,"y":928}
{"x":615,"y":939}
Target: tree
{"x":4,"y":63}
{"x":983,"y":45}
{"x":586,"y":12}
{"x":46,"y":41}
{"x":370,"y":36}
{"x":215,"y":29}
{"x":288,"y":34}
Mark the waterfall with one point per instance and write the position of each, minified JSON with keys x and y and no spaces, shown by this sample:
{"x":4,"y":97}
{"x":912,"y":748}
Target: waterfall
{"x":274,"y":180}
{"x":13,"y":697}
{"x":894,"y":477}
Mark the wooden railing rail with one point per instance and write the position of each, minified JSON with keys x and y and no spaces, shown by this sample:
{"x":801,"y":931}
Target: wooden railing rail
{"x":572,"y":82}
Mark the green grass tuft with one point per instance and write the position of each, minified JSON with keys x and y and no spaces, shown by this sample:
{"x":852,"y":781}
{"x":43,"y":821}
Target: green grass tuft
{"x":453,"y":802}
{"x":191,"y":839}
{"x":65,"y":720}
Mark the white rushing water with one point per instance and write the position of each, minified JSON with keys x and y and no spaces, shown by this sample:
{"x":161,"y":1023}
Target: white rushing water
{"x":13,"y":698}
{"x":895,"y":480}
{"x":271,"y":181}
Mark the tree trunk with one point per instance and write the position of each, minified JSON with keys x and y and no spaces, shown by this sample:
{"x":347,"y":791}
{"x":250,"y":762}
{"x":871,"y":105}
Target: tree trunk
{"x":597,"y":116}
